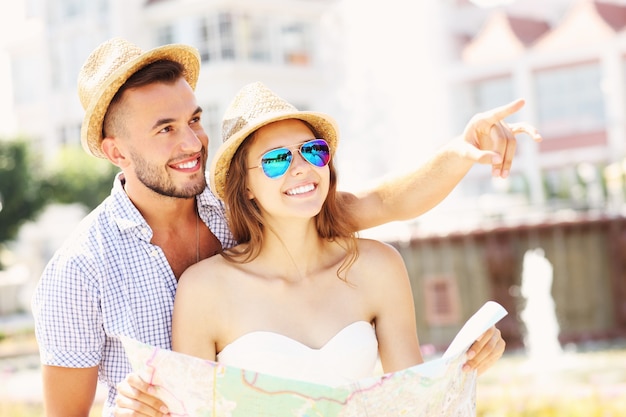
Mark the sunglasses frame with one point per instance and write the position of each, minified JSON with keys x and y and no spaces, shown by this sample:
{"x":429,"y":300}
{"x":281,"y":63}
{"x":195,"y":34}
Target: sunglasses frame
{"x":290,"y":154}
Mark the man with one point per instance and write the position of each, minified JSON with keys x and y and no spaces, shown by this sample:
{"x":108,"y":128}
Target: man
{"x":117,"y":274}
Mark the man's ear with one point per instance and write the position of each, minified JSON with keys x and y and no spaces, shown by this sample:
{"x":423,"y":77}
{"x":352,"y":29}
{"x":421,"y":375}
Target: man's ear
{"x":110,"y":147}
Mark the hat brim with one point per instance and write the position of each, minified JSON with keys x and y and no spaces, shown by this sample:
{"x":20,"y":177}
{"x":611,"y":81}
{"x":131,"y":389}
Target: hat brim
{"x":91,"y":129}
{"x":325,"y":128}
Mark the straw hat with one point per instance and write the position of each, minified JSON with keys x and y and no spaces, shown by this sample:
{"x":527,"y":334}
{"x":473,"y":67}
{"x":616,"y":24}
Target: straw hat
{"x":107,"y":69}
{"x":253,"y":107}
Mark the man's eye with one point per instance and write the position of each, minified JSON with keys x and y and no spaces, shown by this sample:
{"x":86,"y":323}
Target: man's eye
{"x":166,"y":129}
{"x":195,"y":120}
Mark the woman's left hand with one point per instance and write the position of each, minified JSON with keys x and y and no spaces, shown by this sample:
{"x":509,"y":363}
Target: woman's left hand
{"x":485,"y":351}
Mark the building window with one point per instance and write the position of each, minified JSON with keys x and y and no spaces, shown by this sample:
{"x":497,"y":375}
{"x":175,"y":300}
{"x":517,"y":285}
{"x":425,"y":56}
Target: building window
{"x":216,"y":37}
{"x":60,"y":12}
{"x":442,"y":302}
{"x":69,"y":135}
{"x":570,"y":100}
{"x":165,"y":35}
{"x":228,"y":37}
{"x":28,"y":84}
{"x":204,"y":43}
{"x":295,"y":40}
{"x":65,"y":63}
{"x":256,"y":39}
{"x":480,"y":96}
{"x":212,"y":123}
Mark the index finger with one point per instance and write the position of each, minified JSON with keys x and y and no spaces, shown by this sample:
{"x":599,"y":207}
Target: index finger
{"x":500,"y":113}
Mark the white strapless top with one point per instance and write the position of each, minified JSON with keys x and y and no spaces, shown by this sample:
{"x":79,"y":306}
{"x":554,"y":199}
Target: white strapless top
{"x":350,"y":355}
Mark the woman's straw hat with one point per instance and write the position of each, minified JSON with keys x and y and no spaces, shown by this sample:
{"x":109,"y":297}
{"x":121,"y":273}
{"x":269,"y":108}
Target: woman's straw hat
{"x":255,"y":106}
{"x":107,"y":69}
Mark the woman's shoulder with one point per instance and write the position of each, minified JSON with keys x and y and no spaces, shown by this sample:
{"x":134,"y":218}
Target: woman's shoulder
{"x":375,"y":257}
{"x":376,"y":248}
{"x":206,"y":273}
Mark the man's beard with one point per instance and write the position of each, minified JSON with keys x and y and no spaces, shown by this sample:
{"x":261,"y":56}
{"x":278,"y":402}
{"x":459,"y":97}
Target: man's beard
{"x":159,"y":182}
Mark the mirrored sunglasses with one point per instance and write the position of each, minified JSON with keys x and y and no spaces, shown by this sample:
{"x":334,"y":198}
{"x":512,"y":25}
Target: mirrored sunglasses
{"x":277,"y":161}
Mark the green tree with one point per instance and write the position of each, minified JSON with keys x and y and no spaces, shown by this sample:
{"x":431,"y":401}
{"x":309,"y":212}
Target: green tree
{"x":75,"y":177}
{"x":20,"y":186}
{"x":26,"y":187}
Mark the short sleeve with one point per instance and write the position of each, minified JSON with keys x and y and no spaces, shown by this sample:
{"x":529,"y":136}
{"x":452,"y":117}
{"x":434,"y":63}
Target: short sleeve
{"x":68,"y":320}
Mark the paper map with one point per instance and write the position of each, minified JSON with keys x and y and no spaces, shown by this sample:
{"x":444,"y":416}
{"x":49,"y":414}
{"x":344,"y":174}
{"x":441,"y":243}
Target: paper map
{"x":195,"y":387}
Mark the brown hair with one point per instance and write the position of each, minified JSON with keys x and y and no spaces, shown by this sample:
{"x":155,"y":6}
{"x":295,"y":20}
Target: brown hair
{"x":162,"y":71}
{"x":246,"y":222}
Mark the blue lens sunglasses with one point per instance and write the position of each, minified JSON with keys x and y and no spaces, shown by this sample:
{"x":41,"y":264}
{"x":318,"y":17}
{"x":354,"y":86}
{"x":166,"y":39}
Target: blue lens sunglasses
{"x":277,"y":161}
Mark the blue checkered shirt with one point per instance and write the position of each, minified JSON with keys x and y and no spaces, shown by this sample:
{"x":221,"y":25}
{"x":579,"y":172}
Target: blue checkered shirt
{"x":109,"y":280}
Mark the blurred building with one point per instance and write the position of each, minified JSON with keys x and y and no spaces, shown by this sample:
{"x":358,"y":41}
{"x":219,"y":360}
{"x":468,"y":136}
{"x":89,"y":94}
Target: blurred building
{"x":241,"y":41}
{"x":278,"y":42}
{"x":567,"y":58}
{"x":401,"y":80}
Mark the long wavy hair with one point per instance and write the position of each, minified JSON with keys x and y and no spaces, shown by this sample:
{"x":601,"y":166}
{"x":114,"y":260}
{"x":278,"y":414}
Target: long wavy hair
{"x":246,"y":222}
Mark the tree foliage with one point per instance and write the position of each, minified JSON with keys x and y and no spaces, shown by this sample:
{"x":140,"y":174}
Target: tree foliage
{"x":75,"y":177}
{"x":26,"y":186}
{"x":20,"y":186}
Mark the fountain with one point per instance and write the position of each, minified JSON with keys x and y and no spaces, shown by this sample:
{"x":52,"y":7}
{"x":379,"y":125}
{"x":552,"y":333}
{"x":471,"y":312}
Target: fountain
{"x":550,"y":380}
{"x":539,"y":317}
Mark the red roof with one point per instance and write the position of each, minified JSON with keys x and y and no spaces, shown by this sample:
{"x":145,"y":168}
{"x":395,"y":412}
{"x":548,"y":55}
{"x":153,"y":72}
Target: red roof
{"x":527,"y":30}
{"x":613,"y":14}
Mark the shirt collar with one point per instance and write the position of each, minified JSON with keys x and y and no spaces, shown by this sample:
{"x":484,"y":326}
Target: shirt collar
{"x":127,"y":215}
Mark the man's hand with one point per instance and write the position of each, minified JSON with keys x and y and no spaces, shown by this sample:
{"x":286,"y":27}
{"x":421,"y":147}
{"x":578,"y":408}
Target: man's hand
{"x":485,"y":351}
{"x":135,"y":397}
{"x":488,"y":139}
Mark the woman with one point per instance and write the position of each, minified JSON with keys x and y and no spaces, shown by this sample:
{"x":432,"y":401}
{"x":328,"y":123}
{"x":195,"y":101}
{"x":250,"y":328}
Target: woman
{"x":300,"y":297}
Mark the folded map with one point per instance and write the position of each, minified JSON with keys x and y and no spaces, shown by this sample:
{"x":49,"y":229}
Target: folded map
{"x":196,"y":387}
